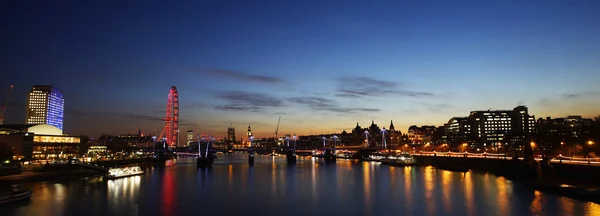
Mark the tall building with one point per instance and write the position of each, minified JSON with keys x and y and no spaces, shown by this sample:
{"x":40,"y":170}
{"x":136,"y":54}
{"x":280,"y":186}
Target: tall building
{"x":492,"y":127}
{"x":190,"y":137}
{"x":231,"y":134}
{"x":45,"y":105}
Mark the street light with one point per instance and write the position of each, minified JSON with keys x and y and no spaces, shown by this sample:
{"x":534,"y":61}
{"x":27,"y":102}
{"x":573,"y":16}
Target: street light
{"x":590,"y":142}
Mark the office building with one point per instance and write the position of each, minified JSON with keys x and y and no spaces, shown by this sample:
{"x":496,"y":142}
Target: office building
{"x":190,"y":137}
{"x":458,"y":131}
{"x":45,"y":105}
{"x":492,"y":128}
{"x":570,"y":129}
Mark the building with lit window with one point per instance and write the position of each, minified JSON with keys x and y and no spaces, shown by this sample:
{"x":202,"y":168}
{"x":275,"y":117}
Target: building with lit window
{"x":458,"y":131}
{"x":492,"y":128}
{"x":45,"y":105}
{"x":570,"y":129}
{"x":190,"y":137}
{"x":420,"y":135}
{"x":41,"y":142}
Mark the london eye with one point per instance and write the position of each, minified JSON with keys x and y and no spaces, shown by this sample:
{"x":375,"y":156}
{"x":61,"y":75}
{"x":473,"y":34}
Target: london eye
{"x":171,"y":129}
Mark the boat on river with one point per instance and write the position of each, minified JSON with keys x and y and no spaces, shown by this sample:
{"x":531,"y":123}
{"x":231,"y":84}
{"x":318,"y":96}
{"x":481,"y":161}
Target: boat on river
{"x":114,"y":173}
{"x":399,"y":160}
{"x":14,"y":196}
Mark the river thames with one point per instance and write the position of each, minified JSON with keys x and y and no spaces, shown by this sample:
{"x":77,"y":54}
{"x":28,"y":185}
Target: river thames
{"x":311,"y":187}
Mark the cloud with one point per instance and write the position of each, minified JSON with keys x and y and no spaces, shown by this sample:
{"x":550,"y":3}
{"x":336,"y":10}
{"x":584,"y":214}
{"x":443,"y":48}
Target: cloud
{"x":368,"y":87}
{"x":438,"y":107}
{"x":120,"y":116}
{"x":143,"y":117}
{"x":237,"y":107}
{"x":324,"y":104}
{"x":247,"y":101}
{"x":315,"y":102}
{"x":238,"y":75}
{"x":250,"y":98}
{"x":188,"y":124}
{"x":579,"y":94}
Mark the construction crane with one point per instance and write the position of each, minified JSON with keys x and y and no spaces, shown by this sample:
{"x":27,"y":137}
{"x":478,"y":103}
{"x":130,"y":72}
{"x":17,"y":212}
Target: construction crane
{"x":277,"y":129}
{"x":5,"y":105}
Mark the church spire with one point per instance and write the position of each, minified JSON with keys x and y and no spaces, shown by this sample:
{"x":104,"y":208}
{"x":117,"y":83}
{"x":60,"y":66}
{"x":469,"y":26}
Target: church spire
{"x":392,"y":126}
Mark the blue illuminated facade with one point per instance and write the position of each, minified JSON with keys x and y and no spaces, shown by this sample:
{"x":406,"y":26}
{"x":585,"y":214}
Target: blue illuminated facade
{"x":56,"y":105}
{"x":45,"y":106}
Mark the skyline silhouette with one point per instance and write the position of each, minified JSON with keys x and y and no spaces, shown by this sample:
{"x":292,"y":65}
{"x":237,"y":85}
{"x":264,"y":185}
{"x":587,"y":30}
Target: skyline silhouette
{"x":320,"y":65}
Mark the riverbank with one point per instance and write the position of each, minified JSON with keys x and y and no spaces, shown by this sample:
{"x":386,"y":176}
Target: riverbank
{"x":573,"y":181}
{"x":28,"y":177}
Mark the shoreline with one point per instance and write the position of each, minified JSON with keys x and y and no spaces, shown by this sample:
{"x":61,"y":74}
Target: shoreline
{"x":33,"y":177}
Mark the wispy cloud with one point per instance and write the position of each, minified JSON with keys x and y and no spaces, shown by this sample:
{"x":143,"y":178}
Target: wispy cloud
{"x":368,"y":87}
{"x":237,"y":107}
{"x":324,"y":104}
{"x":242,"y":76}
{"x":122,"y":116}
{"x":579,"y":94}
{"x":315,"y":102}
{"x":247,"y":101}
{"x":438,"y":107}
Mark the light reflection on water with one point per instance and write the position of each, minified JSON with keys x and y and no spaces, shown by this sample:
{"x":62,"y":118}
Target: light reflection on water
{"x":311,"y":187}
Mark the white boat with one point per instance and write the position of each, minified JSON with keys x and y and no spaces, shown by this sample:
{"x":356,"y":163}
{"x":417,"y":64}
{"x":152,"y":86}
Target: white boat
{"x":114,"y":173}
{"x":13,"y":196}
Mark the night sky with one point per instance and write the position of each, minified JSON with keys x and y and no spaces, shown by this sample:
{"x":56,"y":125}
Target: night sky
{"x":321,"y":65}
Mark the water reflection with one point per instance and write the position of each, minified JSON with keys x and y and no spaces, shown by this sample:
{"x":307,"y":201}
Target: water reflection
{"x":270,"y":187}
{"x":367,"y":187}
{"x":168,"y":193}
{"x":468,"y":190}
{"x":446,"y":189}
{"x":408,"y":187}
{"x":123,"y":191}
{"x":502,"y":196}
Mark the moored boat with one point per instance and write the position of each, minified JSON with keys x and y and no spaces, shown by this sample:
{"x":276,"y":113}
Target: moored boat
{"x":399,"y":160}
{"x":14,"y":196}
{"x":114,"y":173}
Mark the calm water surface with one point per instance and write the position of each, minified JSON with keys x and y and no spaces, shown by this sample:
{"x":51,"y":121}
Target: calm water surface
{"x":311,"y":187}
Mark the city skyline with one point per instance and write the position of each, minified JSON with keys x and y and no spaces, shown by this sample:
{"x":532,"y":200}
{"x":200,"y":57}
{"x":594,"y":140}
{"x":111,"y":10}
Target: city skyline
{"x":321,"y":66}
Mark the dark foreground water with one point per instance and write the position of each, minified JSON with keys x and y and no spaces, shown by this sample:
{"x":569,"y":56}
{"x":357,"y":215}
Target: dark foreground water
{"x":271,"y":187}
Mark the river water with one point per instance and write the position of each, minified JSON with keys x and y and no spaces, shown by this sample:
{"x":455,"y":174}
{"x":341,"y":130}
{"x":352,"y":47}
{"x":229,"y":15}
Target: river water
{"x":311,"y":187}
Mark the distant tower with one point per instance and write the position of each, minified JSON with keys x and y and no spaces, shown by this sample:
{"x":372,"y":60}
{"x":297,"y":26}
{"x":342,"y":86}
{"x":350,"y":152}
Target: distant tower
{"x":249,"y":131}
{"x":45,"y":105}
{"x":392,"y":126}
{"x":231,"y":134}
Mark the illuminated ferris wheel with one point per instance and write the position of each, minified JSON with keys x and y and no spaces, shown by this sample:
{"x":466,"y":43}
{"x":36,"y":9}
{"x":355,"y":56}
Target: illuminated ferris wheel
{"x":171,"y":129}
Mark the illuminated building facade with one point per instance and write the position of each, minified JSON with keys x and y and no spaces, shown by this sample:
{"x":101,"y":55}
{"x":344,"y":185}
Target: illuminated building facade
{"x":190,"y":137}
{"x":420,"y":135}
{"x":491,"y":128}
{"x":45,"y":105}
{"x":458,"y":131}
{"x":41,"y":142}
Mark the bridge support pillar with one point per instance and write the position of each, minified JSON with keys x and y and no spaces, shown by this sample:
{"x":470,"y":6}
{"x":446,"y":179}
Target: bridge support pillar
{"x":291,"y":156}
{"x":251,"y":158}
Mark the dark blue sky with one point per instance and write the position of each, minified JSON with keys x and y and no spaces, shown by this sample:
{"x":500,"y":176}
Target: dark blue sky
{"x":322,"y":65}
